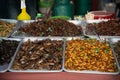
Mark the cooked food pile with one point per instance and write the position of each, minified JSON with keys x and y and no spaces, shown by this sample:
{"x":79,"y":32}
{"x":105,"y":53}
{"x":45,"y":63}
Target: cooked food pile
{"x":7,"y":50}
{"x":89,"y":54}
{"x":117,"y":50}
{"x":52,"y":27}
{"x":39,"y":55}
{"x":109,"y":28}
{"x":5,"y":28}
{"x":75,"y":52}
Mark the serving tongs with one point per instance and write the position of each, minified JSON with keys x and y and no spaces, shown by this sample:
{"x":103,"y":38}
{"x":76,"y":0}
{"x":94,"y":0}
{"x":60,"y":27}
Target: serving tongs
{"x":94,"y":31}
{"x":83,"y":24}
{"x":17,"y":26}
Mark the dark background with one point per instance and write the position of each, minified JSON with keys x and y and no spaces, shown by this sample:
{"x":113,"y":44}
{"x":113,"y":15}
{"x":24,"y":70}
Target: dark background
{"x":9,"y":9}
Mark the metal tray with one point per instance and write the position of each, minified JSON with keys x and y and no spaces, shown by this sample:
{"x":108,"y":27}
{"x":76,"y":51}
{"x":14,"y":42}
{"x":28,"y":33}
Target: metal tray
{"x":11,"y":69}
{"x":96,"y":21}
{"x":20,"y":34}
{"x":9,"y":21}
{"x":4,"y":67}
{"x":112,"y":42}
{"x":88,"y":33}
{"x":89,"y":71}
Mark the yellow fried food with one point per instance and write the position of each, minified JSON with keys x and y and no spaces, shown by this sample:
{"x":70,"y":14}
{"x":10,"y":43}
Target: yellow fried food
{"x":5,"y":28}
{"x":89,"y":54}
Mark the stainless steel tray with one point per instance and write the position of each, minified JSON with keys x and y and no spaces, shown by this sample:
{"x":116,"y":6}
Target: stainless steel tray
{"x":91,"y":33}
{"x":96,"y":21}
{"x":112,"y":42}
{"x":20,"y":34}
{"x":4,"y":67}
{"x":9,"y":21}
{"x":11,"y":69}
{"x":89,"y":71}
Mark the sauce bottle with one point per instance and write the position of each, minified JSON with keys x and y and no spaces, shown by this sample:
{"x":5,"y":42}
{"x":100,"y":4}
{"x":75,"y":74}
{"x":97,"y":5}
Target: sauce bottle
{"x":23,"y":15}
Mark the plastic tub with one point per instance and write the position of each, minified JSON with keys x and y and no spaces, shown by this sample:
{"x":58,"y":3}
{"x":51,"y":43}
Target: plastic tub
{"x":103,"y":15}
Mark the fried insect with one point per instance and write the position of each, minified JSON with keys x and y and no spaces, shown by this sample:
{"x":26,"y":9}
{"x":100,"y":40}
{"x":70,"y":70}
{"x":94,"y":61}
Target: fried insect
{"x":52,"y":27}
{"x":39,"y":55}
{"x":89,"y":54}
{"x":5,"y":28}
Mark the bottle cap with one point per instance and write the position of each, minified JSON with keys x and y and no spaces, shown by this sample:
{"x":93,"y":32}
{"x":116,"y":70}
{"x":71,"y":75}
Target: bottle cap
{"x":39,"y":15}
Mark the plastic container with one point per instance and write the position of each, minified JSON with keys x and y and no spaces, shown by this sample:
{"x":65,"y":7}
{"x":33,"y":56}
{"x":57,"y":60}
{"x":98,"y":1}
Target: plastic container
{"x":103,"y":15}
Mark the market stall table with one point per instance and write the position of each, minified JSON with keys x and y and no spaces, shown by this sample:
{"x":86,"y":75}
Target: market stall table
{"x":56,"y":76}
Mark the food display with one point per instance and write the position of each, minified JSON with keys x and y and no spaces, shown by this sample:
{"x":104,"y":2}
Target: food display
{"x":5,"y":28}
{"x":39,"y":55}
{"x":117,"y":50}
{"x":115,"y":42}
{"x":51,"y":27}
{"x":104,"y":28}
{"x":55,"y":45}
{"x":89,"y":55}
{"x":7,"y":50}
